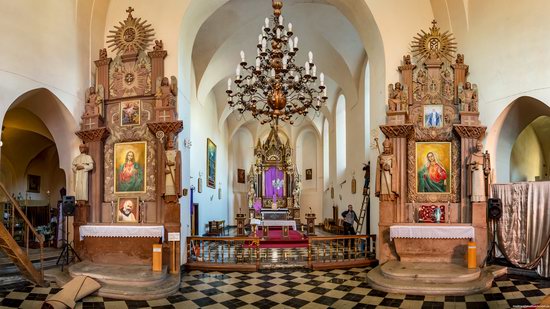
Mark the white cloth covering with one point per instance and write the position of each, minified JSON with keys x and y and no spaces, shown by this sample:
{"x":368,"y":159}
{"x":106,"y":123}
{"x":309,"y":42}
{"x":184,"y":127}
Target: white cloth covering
{"x":121,"y":231}
{"x":432,"y":231}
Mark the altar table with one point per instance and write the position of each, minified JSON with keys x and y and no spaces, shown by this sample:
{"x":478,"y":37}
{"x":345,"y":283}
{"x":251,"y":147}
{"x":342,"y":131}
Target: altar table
{"x":121,"y":231}
{"x":441,"y":231}
{"x":291,"y":223}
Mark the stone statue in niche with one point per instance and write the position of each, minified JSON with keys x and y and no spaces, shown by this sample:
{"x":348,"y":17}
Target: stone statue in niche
{"x":468,"y":98}
{"x":94,"y":101}
{"x":81,"y":165}
{"x":385,"y":184}
{"x":397,"y":97}
{"x":479,"y":168}
{"x":297,"y":190}
{"x":172,"y":168}
{"x":251,"y":194}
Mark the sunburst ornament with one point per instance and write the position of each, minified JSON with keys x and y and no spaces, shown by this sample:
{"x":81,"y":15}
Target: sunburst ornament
{"x":434,"y":44}
{"x":132,"y":36}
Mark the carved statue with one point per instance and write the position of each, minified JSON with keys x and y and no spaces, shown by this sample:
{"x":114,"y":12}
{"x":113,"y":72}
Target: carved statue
{"x":172,"y":168}
{"x":479,"y":168}
{"x":251,"y":194}
{"x":158,"y":45}
{"x":94,"y":101}
{"x":82,"y":164}
{"x":421,"y":85}
{"x":406,"y":59}
{"x":397,"y":97}
{"x":385,"y":184}
{"x":467,"y":95}
{"x":447,"y":83}
{"x":166,"y":92}
{"x":460,"y":58}
{"x":297,"y":191}
{"x":103,"y":53}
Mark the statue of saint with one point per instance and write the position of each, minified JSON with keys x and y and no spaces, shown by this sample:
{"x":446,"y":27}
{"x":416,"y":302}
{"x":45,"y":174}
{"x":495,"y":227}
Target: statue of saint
{"x":82,"y":164}
{"x":172,"y":185}
{"x":166,"y":92}
{"x":385,"y":184}
{"x":251,"y":195}
{"x":468,"y":97}
{"x":479,"y":168}
{"x":297,"y":191}
{"x":94,"y":102}
{"x":397,"y":97}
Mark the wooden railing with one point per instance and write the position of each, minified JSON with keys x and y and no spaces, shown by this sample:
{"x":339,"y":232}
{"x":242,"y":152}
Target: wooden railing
{"x":246,"y":253}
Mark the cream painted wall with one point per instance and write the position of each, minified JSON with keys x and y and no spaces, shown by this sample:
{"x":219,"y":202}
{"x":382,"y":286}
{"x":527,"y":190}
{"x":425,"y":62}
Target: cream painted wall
{"x":241,"y":156}
{"x":527,"y":157}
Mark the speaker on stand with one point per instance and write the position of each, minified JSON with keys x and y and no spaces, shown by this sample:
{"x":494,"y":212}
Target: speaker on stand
{"x":494,"y":213}
{"x":68,"y":254}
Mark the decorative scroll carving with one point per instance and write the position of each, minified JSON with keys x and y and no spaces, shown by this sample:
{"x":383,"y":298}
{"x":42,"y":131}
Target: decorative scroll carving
{"x":473,"y":132}
{"x":404,"y":130}
{"x":93,"y":135}
{"x":130,"y":78}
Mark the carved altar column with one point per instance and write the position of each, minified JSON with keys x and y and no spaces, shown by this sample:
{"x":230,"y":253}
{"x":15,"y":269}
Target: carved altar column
{"x":469,"y":135}
{"x":157,"y":66}
{"x":407,"y":74}
{"x":95,"y":139}
{"x":102,"y":73}
{"x":460,"y":70}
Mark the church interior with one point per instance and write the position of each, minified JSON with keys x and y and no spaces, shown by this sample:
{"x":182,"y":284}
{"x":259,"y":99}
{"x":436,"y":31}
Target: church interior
{"x":274,"y":153}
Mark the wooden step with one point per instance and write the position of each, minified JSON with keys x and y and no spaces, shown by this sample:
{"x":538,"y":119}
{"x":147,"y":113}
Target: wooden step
{"x":429,"y":272}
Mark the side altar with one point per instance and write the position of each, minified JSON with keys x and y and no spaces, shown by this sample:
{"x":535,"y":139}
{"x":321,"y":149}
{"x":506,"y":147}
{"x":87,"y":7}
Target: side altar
{"x":273,"y":181}
{"x":432,"y":175}
{"x":129,"y":172}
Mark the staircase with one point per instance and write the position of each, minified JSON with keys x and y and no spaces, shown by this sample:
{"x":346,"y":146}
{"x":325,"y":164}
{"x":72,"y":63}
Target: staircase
{"x":14,"y":251}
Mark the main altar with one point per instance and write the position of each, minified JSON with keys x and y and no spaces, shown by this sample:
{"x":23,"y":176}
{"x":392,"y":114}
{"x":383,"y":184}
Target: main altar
{"x":273,"y":181}
{"x":432,"y":175}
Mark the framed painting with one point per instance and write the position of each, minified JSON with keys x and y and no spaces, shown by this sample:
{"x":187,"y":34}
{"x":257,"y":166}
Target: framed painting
{"x":128,"y":210}
{"x":309,"y":174}
{"x":33,"y":183}
{"x":433,"y":116}
{"x":240,"y":175}
{"x":130,"y":113}
{"x":210,"y":164}
{"x":130,"y":164}
{"x":433,"y":167}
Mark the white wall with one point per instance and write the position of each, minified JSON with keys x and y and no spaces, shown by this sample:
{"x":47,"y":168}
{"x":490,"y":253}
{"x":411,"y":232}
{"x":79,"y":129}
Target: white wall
{"x":241,"y":156}
{"x":527,"y":159}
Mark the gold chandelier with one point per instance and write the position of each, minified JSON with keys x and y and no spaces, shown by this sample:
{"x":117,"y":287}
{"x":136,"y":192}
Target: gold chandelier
{"x":276,"y":88}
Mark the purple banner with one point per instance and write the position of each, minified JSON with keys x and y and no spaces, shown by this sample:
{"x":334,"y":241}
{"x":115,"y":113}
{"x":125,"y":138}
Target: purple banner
{"x":273,"y":176}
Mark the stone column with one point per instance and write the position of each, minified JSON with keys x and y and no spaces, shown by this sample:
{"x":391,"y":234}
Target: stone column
{"x":95,"y":139}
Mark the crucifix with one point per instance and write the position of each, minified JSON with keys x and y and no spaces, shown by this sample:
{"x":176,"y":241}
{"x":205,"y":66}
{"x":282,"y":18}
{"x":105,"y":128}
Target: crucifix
{"x":90,"y":124}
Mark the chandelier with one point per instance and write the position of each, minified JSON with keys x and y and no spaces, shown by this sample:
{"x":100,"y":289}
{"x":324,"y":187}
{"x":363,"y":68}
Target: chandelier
{"x":275,"y":87}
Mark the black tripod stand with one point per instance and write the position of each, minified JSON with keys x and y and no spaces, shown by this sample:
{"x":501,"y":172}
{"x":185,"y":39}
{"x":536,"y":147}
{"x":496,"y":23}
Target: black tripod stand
{"x":68,"y":254}
{"x":490,"y":259}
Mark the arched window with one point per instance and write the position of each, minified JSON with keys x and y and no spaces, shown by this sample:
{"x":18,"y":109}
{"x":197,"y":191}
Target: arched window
{"x":326,"y":166}
{"x":340,"y":136}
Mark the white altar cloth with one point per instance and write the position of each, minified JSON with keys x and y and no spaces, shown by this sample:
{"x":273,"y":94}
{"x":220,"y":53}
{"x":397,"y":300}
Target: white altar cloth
{"x":121,"y":231}
{"x":432,"y":231}
{"x":291,"y":223}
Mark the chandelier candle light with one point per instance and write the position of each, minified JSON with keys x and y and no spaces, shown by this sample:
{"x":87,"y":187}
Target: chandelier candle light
{"x":275,"y":87}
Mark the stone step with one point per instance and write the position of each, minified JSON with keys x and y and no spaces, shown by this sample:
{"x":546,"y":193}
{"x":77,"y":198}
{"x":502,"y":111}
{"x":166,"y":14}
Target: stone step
{"x":124,"y":275}
{"x":378,"y":281}
{"x":429,"y":272}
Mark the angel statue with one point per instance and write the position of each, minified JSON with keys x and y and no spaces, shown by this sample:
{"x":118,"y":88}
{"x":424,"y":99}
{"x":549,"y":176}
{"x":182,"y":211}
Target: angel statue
{"x":94,"y":101}
{"x":166,"y":91}
{"x":467,"y":95}
{"x":397,"y":97}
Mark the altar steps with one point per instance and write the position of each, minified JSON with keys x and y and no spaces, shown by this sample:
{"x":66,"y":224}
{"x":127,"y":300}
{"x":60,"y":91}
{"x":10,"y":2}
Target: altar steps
{"x":131,"y":282}
{"x":416,"y":278}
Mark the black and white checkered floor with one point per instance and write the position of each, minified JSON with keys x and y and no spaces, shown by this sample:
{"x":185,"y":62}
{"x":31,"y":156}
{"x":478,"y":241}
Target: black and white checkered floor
{"x":297,"y":289}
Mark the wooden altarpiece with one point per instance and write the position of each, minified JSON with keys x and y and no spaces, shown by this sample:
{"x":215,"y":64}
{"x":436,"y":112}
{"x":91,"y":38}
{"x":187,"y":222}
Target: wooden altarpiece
{"x":273,"y":163}
{"x":131,"y":108}
{"x":433,"y":109}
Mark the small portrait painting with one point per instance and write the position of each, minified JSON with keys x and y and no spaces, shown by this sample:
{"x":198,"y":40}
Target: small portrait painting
{"x":130,"y":113}
{"x":433,"y":116}
{"x":128,"y":210}
{"x":433,"y":166}
{"x":240,"y":175}
{"x":210,"y":164}
{"x":33,"y":183}
{"x":309,"y":174}
{"x":130,"y":167}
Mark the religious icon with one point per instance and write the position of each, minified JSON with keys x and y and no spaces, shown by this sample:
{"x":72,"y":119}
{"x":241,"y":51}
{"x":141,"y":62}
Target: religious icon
{"x":240,"y":175}
{"x":433,"y":116}
{"x":128,"y":210}
{"x":130,"y":113}
{"x":433,"y":166}
{"x":309,"y":174}
{"x":130,"y":167}
{"x":33,"y":183}
{"x":210,"y":164}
